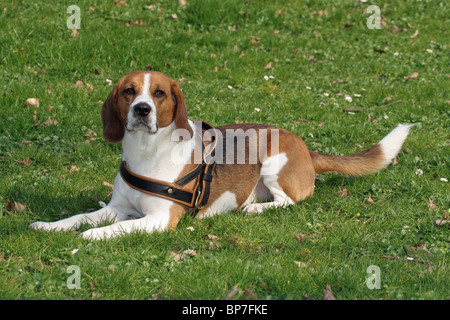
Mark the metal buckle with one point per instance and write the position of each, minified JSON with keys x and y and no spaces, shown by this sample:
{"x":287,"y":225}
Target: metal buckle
{"x":196,"y":201}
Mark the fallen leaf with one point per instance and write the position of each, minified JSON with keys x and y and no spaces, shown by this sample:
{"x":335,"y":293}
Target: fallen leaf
{"x":91,"y":286}
{"x":268,"y":66}
{"x":120,"y":3}
{"x":412,"y":76}
{"x":254,"y":39}
{"x":343,"y":192}
{"x":182,"y":80}
{"x":32,"y":102}
{"x":73,"y":169}
{"x":75,"y":33}
{"x":182,"y":4}
{"x":15,"y":207}
{"x":328,"y":294}
{"x":431,"y":205}
{"x":300,"y":264}
{"x":394,"y":162}
{"x":47,"y":122}
{"x":174,"y":16}
{"x":370,"y":199}
{"x":9,"y":206}
{"x":301,"y":236}
{"x":441,"y":222}
{"x":176,"y":256}
{"x":26,"y":162}
{"x":232,"y":292}
{"x":250,"y":294}
{"x":415,"y":34}
{"x":78,"y":84}
{"x":108,"y":185}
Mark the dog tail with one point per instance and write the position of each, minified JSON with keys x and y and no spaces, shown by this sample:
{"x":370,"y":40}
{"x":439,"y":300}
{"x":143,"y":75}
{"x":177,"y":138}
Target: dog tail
{"x":377,"y":157}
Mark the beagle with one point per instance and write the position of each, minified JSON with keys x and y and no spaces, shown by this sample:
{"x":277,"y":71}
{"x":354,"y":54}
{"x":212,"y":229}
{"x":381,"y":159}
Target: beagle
{"x":161,"y":147}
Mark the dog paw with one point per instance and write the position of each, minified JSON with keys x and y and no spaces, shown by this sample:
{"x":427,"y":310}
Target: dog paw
{"x":95,"y":234}
{"x":253,"y":208}
{"x":39,"y":225}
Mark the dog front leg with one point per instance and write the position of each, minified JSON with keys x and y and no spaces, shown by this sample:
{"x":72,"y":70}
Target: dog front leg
{"x":74,"y":222}
{"x":151,"y":222}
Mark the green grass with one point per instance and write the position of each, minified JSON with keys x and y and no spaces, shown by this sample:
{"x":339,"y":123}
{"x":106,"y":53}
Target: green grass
{"x":213,"y":45}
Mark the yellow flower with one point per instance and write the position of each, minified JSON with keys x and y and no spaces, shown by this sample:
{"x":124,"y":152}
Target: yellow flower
{"x":358,"y":214}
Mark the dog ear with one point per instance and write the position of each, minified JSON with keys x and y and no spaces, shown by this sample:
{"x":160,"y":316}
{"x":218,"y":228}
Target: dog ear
{"x":113,"y":124}
{"x":180,"y":113}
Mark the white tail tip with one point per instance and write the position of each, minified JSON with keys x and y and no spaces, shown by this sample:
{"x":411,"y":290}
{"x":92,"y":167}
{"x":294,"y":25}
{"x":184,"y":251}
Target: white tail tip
{"x":392,"y":143}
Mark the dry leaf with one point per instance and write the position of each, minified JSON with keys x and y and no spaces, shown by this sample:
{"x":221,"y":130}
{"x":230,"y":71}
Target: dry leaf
{"x":15,"y":207}
{"x":441,"y":222}
{"x":431,"y":205}
{"x":394,"y":162}
{"x":78,"y":84}
{"x":300,"y":237}
{"x":412,"y":76}
{"x":328,"y":294}
{"x":343,"y":193}
{"x":370,"y":198}
{"x":75,"y":33}
{"x":174,"y":16}
{"x":108,"y":185}
{"x":32,"y":102}
{"x":232,"y":292}
{"x":120,"y":3}
{"x":250,"y":294}
{"x":300,"y":264}
{"x":9,"y":206}
{"x":415,"y":34}
{"x":268,"y":66}
{"x":26,"y":162}
{"x":177,"y":256}
{"x":182,"y":80}
{"x":73,"y":169}
{"x":211,"y":236}
{"x":254,"y":39}
{"x":182,"y":4}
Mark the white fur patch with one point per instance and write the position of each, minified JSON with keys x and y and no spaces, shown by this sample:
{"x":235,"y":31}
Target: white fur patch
{"x":225,"y":203}
{"x":391,"y":144}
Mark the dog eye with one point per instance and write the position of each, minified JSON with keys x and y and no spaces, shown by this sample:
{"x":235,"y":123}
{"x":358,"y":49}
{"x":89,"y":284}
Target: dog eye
{"x":159,"y":93}
{"x":130,"y":91}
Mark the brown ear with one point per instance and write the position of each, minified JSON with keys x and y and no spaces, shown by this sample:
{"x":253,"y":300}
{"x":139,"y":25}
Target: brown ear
{"x":113,"y":125}
{"x":180,"y":114}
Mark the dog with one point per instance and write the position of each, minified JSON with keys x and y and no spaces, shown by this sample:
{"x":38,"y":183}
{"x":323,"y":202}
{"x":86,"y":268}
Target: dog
{"x":173,"y":165}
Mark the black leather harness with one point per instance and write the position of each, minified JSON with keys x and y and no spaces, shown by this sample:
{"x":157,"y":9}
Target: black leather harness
{"x":196,"y":197}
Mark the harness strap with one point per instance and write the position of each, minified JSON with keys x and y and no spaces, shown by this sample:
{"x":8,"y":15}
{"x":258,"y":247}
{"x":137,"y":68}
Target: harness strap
{"x":196,"y":197}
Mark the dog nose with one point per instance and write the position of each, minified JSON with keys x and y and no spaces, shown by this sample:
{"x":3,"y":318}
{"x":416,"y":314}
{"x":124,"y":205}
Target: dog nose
{"x":142,"y":109}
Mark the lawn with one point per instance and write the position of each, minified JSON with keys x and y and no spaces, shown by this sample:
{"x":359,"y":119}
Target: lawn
{"x":311,"y":67}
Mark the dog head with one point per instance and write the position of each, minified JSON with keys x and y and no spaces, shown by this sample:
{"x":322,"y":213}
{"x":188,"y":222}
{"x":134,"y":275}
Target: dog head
{"x":143,"y":101}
